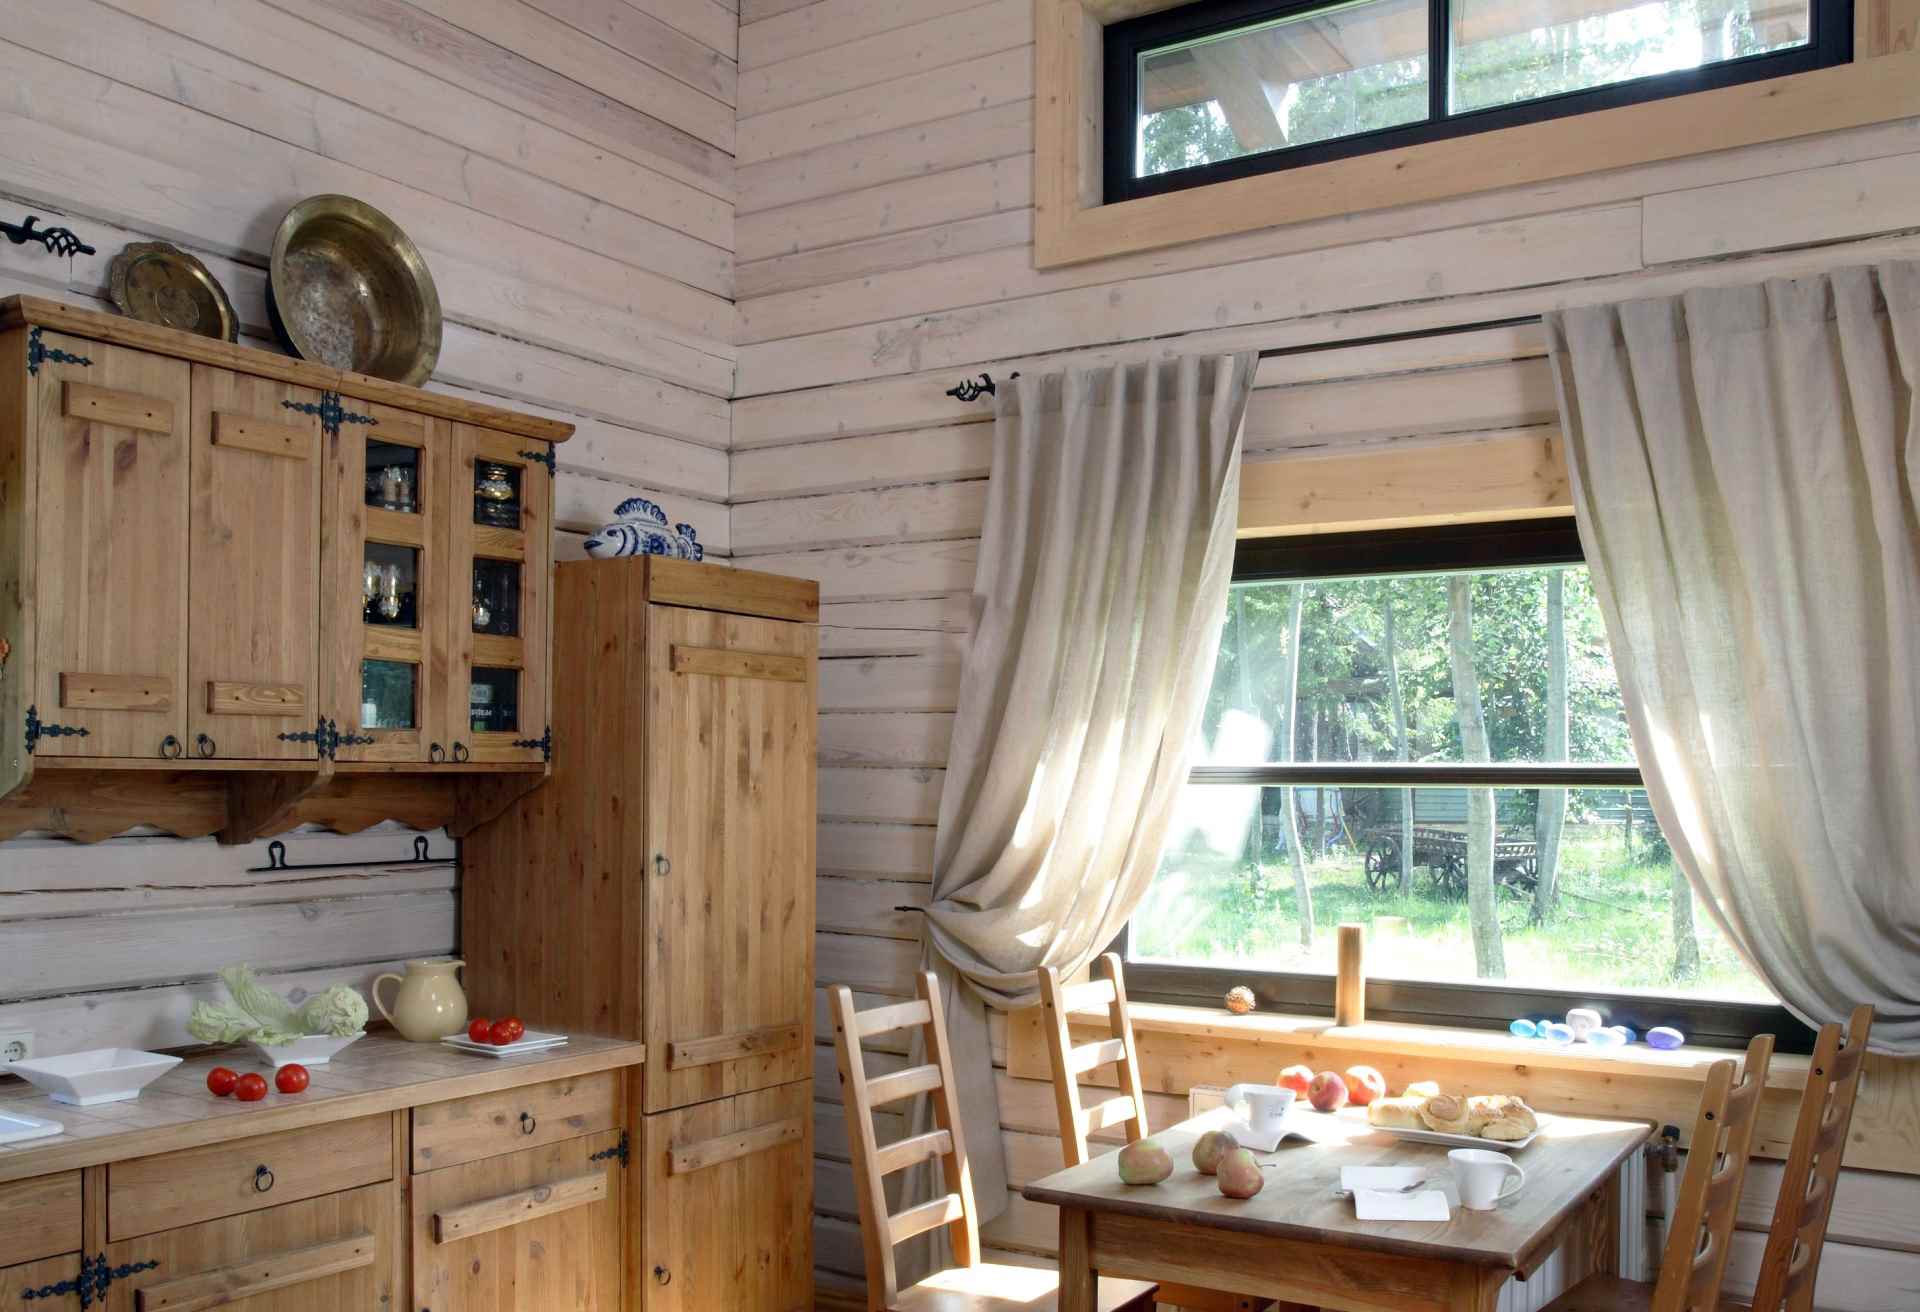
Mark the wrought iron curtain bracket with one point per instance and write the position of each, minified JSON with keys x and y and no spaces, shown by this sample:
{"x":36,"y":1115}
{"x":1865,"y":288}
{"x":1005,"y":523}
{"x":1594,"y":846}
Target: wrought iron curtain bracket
{"x":541,"y":458}
{"x":38,"y":729}
{"x":332,"y":413}
{"x":972,"y":391}
{"x":58,"y":241}
{"x":277,"y":859}
{"x":38,"y":352}
{"x":544,"y":742}
{"x":621,"y":1151}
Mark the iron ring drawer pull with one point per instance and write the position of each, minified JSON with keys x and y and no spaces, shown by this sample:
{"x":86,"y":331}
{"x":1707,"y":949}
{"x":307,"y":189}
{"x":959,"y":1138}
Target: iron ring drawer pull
{"x":171,"y":748}
{"x":527,"y":1123}
{"x":262,"y":1178}
{"x":662,"y":1276}
{"x":662,"y":866}
{"x":460,"y":754}
{"x":437,"y":754}
{"x":205,"y":746}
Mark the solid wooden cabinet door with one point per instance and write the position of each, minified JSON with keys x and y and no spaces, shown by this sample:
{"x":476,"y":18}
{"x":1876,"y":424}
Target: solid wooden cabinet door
{"x":727,"y":1216}
{"x":383,"y":634}
{"x":500,"y":532}
{"x":110,"y":521}
{"x":728,"y":1003}
{"x":254,"y":634}
{"x":529,"y":1231}
{"x":326,"y":1254}
{"x":45,"y":1286}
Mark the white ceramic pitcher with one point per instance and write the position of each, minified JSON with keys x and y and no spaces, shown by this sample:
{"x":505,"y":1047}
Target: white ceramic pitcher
{"x":429,"y":1004}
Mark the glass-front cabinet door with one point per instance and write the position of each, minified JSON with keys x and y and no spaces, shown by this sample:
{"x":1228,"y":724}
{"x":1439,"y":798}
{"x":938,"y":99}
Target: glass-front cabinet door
{"x":388,"y":492}
{"x":499,"y":536}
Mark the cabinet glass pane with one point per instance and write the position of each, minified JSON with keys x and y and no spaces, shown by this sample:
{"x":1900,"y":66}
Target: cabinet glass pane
{"x":496,"y":597}
{"x":388,"y":694}
{"x":393,"y":477}
{"x":493,"y":701}
{"x":496,"y":494}
{"x":389,"y":585}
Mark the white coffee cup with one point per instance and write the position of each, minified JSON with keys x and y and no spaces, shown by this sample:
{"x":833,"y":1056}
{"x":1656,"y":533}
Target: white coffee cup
{"x":1480,"y":1176}
{"x":1266,"y":1105}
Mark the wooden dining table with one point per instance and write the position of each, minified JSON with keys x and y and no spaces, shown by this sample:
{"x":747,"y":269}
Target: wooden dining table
{"x":1298,"y":1240}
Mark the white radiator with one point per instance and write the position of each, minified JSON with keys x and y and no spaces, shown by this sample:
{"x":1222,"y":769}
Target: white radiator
{"x":1550,"y":1281}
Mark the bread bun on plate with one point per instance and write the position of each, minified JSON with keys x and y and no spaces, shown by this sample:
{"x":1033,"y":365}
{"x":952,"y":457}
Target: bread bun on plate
{"x":1395,"y":1113}
{"x":1445,"y":1113}
{"x":1501,"y":1116}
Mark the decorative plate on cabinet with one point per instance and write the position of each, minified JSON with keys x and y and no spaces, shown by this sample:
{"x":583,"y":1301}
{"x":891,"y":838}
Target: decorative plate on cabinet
{"x":155,"y":282}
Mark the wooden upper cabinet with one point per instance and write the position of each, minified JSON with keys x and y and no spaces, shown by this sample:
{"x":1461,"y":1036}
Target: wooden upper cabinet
{"x":253,"y":569}
{"x":728,"y":951}
{"x":500,"y":558}
{"x":110,"y":535}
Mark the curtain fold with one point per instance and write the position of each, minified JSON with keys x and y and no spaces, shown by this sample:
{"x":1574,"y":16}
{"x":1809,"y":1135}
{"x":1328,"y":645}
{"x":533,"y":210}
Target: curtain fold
{"x":1743,"y":465}
{"x":1098,"y":600}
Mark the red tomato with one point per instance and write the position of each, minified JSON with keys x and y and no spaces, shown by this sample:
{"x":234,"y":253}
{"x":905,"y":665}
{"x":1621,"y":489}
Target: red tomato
{"x":250,"y":1087}
{"x":291,"y":1078}
{"x":480,"y":1030}
{"x":220,"y":1081}
{"x":507,"y":1031}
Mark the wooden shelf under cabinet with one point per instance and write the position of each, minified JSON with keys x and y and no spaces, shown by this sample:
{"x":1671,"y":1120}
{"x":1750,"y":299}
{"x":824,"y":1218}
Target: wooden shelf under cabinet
{"x":241,"y":592}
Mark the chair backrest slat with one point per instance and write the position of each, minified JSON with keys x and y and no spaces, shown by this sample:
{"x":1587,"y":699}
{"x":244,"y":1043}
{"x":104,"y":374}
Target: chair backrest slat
{"x":1805,"y":1205}
{"x":1701,"y":1233}
{"x":873,"y":1161}
{"x":1057,"y":1003}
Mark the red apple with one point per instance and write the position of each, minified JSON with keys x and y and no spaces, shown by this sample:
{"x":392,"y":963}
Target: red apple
{"x":1364,"y":1084}
{"x":1297,"y":1078}
{"x":1328,"y":1092}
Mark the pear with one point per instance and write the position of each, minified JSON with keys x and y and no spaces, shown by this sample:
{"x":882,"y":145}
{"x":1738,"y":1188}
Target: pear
{"x":1209,"y":1148}
{"x":1145,"y":1162}
{"x":1239,"y":1174}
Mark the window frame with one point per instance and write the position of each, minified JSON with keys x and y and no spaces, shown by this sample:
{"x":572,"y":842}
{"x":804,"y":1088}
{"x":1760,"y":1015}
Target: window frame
{"x":1830,"y":44}
{"x":1505,"y":544}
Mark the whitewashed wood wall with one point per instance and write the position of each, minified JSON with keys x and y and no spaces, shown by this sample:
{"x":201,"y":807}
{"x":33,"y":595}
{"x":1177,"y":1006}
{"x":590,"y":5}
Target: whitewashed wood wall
{"x":567,"y":168}
{"x":884,"y":253}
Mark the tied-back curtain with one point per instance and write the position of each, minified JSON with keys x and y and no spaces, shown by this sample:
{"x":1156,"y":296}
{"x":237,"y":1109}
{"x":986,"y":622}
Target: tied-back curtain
{"x":1744,"y":473}
{"x":1100,"y":591}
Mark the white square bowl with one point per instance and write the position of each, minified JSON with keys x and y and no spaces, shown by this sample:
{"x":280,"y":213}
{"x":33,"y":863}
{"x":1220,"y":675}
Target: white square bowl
{"x":99,"y":1075}
{"x":310,"y":1050}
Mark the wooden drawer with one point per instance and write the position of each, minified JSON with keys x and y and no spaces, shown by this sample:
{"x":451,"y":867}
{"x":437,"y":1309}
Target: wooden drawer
{"x":23,"y":1286}
{"x":488,"y":1124}
{"x":198,"y":1184}
{"x":331,"y":1254}
{"x":536,"y":1230}
{"x":39,"y":1218}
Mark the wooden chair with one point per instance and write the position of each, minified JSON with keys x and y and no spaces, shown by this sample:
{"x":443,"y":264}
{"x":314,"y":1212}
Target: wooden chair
{"x":973,"y":1285}
{"x":1702,"y":1223}
{"x":1127,"y":1108}
{"x":1805,"y":1204}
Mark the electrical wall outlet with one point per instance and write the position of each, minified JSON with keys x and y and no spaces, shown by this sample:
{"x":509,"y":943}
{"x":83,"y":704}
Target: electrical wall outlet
{"x":15,"y":1045}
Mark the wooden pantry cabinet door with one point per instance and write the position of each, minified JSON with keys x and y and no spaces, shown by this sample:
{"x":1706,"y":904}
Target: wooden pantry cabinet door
{"x":110,"y":588}
{"x":728,"y":1001}
{"x":253,"y":634}
{"x":49,"y":1285}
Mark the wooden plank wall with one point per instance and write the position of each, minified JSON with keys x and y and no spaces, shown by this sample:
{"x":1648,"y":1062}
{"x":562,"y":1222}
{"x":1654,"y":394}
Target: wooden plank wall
{"x":883,"y":241}
{"x":567,"y":168}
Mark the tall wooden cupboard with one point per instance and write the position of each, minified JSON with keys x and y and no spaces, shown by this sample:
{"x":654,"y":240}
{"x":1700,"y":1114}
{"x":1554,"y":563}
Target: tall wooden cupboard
{"x":660,"y":887}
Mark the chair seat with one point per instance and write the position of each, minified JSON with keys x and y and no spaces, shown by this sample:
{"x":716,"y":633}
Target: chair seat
{"x":990,"y":1287}
{"x":1604,"y":1294}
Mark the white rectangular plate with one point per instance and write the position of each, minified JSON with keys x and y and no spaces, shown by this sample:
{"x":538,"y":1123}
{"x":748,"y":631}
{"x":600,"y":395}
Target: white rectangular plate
{"x":1456,"y":1140}
{"x":532,"y":1041}
{"x":17,"y":1127}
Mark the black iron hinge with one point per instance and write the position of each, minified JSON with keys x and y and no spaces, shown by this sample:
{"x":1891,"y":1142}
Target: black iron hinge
{"x":39,"y":352}
{"x":318,"y":735}
{"x":336,"y":740}
{"x":544,"y":742}
{"x":332,"y":413}
{"x":544,"y":457}
{"x":38,"y":729}
{"x":619,"y":1150}
{"x":96,"y":1277}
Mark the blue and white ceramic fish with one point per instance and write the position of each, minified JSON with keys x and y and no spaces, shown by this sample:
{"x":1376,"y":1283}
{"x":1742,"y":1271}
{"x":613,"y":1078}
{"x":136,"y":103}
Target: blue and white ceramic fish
{"x":640,"y":529}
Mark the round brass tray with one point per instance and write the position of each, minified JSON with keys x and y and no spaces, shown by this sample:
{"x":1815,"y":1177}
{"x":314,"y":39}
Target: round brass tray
{"x":349,"y":289}
{"x":157,"y":283}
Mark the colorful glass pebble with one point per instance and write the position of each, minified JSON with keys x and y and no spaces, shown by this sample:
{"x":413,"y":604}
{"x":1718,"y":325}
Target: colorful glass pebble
{"x":1523,"y":1029}
{"x":1557,"y":1032}
{"x":1665,"y":1038}
{"x":1606,"y":1038}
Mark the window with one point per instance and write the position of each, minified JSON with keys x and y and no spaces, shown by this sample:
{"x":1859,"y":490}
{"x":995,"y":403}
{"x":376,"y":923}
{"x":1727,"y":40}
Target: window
{"x":1422,"y":732}
{"x":1225,"y":88}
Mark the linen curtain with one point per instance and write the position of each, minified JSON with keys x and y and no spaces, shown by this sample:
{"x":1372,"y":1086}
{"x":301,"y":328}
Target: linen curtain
{"x":1098,"y":600}
{"x":1743,"y":464}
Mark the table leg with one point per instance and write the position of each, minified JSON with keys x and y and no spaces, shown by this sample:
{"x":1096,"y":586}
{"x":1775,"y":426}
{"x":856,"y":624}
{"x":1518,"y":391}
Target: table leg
{"x":1079,"y":1287}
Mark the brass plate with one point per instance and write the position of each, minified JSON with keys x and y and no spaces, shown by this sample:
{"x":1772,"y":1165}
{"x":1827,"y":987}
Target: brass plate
{"x":157,"y":283}
{"x":348,"y":289}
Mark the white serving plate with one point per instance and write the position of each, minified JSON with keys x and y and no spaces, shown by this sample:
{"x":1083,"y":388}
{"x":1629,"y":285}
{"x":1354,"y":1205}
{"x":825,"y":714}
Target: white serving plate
{"x":17,"y":1127}
{"x":531,"y":1041}
{"x":99,"y":1075}
{"x":1456,"y":1140}
{"x":308,"y":1050}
